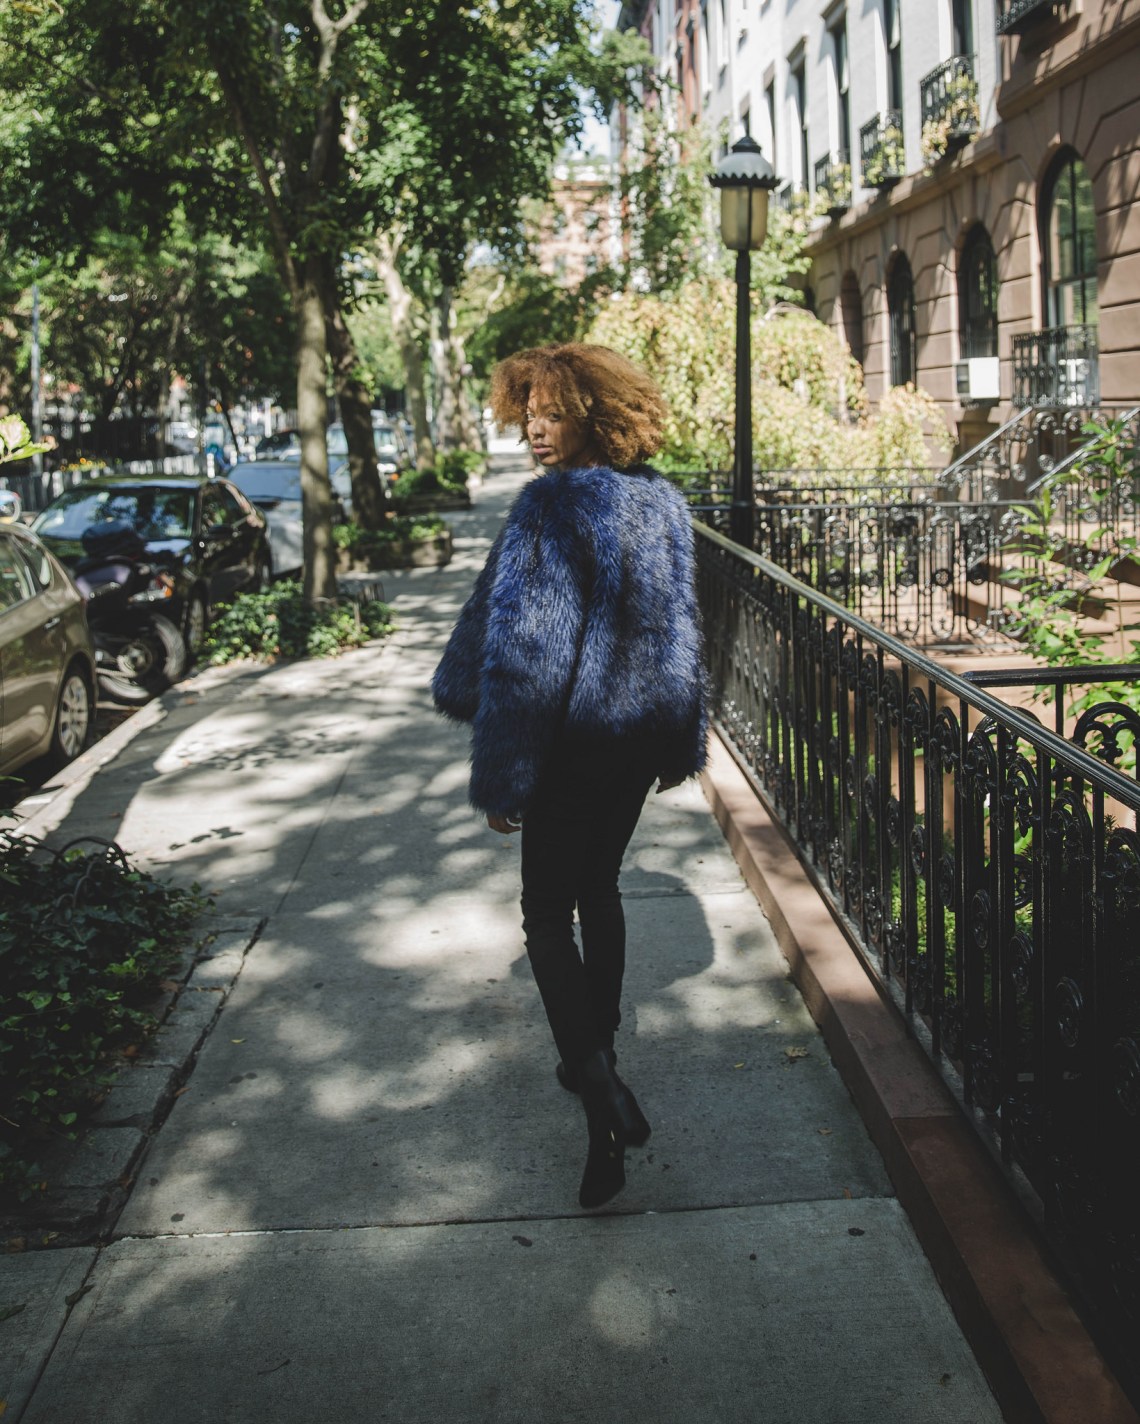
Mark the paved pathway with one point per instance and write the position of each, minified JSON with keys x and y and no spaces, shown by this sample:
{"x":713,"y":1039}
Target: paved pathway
{"x":364,"y":1207}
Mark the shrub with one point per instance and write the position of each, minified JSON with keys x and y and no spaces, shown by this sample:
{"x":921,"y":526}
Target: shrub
{"x":279,"y":623}
{"x":414,"y":527}
{"x":448,"y":476}
{"x":84,"y":942}
{"x":809,"y":403}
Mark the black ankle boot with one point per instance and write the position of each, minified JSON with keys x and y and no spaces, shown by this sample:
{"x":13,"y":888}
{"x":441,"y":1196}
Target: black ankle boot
{"x":613,"y":1120}
{"x":569,"y":1079}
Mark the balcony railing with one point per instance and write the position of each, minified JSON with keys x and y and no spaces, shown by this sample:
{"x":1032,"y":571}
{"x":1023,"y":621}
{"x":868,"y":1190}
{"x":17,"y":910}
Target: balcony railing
{"x":987,"y":872}
{"x":1058,"y":367}
{"x":950,"y":113}
{"x":833,"y":182}
{"x":882,"y":150}
{"x":1016,"y":16}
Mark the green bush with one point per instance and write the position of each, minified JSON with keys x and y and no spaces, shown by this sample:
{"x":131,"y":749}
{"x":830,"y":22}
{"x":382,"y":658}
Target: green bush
{"x":84,"y":941}
{"x":279,"y":623}
{"x":448,"y":476}
{"x":357,"y":540}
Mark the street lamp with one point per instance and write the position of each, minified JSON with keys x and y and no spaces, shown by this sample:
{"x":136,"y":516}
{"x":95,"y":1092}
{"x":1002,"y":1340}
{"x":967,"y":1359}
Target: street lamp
{"x":745,"y":179}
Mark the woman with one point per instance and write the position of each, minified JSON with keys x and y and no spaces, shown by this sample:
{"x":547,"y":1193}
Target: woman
{"x":577,"y":660}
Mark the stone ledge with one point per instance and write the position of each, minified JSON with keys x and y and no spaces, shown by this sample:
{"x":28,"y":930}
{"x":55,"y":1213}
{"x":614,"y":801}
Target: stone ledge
{"x":1039,"y":1358}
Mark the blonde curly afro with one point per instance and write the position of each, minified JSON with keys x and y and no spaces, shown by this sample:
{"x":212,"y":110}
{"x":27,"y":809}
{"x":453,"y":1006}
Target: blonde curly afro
{"x":619,"y":402}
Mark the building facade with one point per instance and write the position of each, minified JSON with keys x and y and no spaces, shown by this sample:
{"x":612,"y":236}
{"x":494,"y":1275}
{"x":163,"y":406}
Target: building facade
{"x":974,"y":166}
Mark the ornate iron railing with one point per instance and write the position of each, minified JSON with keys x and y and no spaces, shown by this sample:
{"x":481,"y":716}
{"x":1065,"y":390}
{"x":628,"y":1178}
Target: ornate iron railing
{"x":1016,"y":16}
{"x":1059,"y":367}
{"x":882,"y":150}
{"x":937,"y":572}
{"x":1008,"y":462}
{"x":985,"y":869}
{"x":950,"y":112}
{"x":833,"y":181}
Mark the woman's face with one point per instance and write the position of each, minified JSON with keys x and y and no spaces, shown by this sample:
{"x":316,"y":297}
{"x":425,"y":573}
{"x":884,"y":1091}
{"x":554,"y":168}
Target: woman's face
{"x":557,"y":437}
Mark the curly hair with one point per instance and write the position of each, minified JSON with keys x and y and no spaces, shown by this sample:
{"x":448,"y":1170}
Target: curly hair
{"x":618,"y":401}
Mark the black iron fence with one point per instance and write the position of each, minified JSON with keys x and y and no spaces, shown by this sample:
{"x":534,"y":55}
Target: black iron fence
{"x":901,"y":553}
{"x":832,"y":175}
{"x":949,"y":103}
{"x":985,"y":868}
{"x":882,"y":150}
{"x":1057,"y":367}
{"x":1015,"y":17}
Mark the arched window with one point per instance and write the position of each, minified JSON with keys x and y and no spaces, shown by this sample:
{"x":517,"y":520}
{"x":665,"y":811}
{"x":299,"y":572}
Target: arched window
{"x":977,"y":295}
{"x":851,"y":309}
{"x":900,"y":305}
{"x":1068,"y":245}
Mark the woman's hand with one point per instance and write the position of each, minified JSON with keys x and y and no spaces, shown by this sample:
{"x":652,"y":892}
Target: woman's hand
{"x":505,"y":825}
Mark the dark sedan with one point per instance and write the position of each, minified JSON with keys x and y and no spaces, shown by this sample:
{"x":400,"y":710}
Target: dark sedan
{"x":204,"y":538}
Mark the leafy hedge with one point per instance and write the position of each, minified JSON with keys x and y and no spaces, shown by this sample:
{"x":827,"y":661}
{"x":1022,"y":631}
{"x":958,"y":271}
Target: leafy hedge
{"x":279,"y":623}
{"x":84,"y":941}
{"x":448,"y":476}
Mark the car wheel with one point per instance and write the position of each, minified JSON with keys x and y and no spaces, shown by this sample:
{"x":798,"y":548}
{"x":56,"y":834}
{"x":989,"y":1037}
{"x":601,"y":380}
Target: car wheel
{"x":195,"y":623}
{"x":145,"y":665}
{"x":72,"y":717}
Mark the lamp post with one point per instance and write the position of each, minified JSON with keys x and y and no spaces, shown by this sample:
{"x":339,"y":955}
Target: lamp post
{"x":745,"y":179}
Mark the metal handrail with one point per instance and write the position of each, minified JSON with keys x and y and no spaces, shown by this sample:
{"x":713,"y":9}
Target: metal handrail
{"x":1054,"y":474}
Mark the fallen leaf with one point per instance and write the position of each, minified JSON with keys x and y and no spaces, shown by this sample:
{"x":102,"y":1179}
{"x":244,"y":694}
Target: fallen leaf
{"x":523,"y":1240}
{"x":76,"y":1296}
{"x":738,"y":1065}
{"x":793,"y":1053}
{"x":242,"y":1040}
{"x":824,"y":1131}
{"x":855,"y":1231}
{"x":180,"y":1091}
{"x":847,"y":1193}
{"x":274,"y":1369}
{"x":7,"y":1311}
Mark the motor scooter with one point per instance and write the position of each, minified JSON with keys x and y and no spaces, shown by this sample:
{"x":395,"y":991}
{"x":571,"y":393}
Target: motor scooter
{"x":138,"y":650}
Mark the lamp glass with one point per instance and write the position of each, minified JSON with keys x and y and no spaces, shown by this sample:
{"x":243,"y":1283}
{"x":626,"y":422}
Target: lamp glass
{"x":743,"y":217}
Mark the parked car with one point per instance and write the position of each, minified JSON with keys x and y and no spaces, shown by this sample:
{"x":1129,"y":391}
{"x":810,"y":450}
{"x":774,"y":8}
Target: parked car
{"x":47,"y":663}
{"x":205,"y":540}
{"x":274,"y":487}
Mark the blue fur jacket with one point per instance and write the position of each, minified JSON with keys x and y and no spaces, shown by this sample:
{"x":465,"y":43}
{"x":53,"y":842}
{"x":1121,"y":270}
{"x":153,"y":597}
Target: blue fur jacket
{"x":582,"y":625}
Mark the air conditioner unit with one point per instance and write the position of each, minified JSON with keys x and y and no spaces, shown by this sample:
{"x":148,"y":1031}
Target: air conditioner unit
{"x":1074,"y":381}
{"x":978,"y":379}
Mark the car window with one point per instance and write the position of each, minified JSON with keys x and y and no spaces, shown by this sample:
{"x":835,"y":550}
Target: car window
{"x":39,"y":565}
{"x":214,"y":513}
{"x":155,"y":511}
{"x":234,"y":511}
{"x":15,"y":576}
{"x":337,"y":441}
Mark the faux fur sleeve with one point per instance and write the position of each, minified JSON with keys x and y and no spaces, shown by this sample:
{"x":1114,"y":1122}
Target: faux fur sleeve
{"x":455,"y":685}
{"x":533,"y":634}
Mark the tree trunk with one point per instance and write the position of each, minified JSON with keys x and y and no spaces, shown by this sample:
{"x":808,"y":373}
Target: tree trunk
{"x":444,"y":375}
{"x":355,"y":401}
{"x":470,"y":420}
{"x":415,"y":390}
{"x":312,"y":425}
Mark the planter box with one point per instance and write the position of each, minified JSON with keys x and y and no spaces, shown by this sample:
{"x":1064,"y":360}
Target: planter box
{"x":429,"y":503}
{"x":398,"y":554}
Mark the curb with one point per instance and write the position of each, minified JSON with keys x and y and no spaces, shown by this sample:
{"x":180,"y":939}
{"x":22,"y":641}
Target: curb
{"x":1033,"y":1347}
{"x":92,"y":1177}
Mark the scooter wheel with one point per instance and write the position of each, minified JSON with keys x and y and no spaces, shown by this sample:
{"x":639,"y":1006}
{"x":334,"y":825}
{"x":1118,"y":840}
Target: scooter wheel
{"x":145,"y":666}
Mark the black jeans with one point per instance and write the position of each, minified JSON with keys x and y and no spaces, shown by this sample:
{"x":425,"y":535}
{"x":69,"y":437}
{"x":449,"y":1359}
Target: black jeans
{"x":573,"y":838}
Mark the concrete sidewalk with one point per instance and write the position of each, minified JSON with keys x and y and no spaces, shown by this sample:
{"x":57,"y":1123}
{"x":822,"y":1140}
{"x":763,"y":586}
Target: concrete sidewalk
{"x":364,"y":1207}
